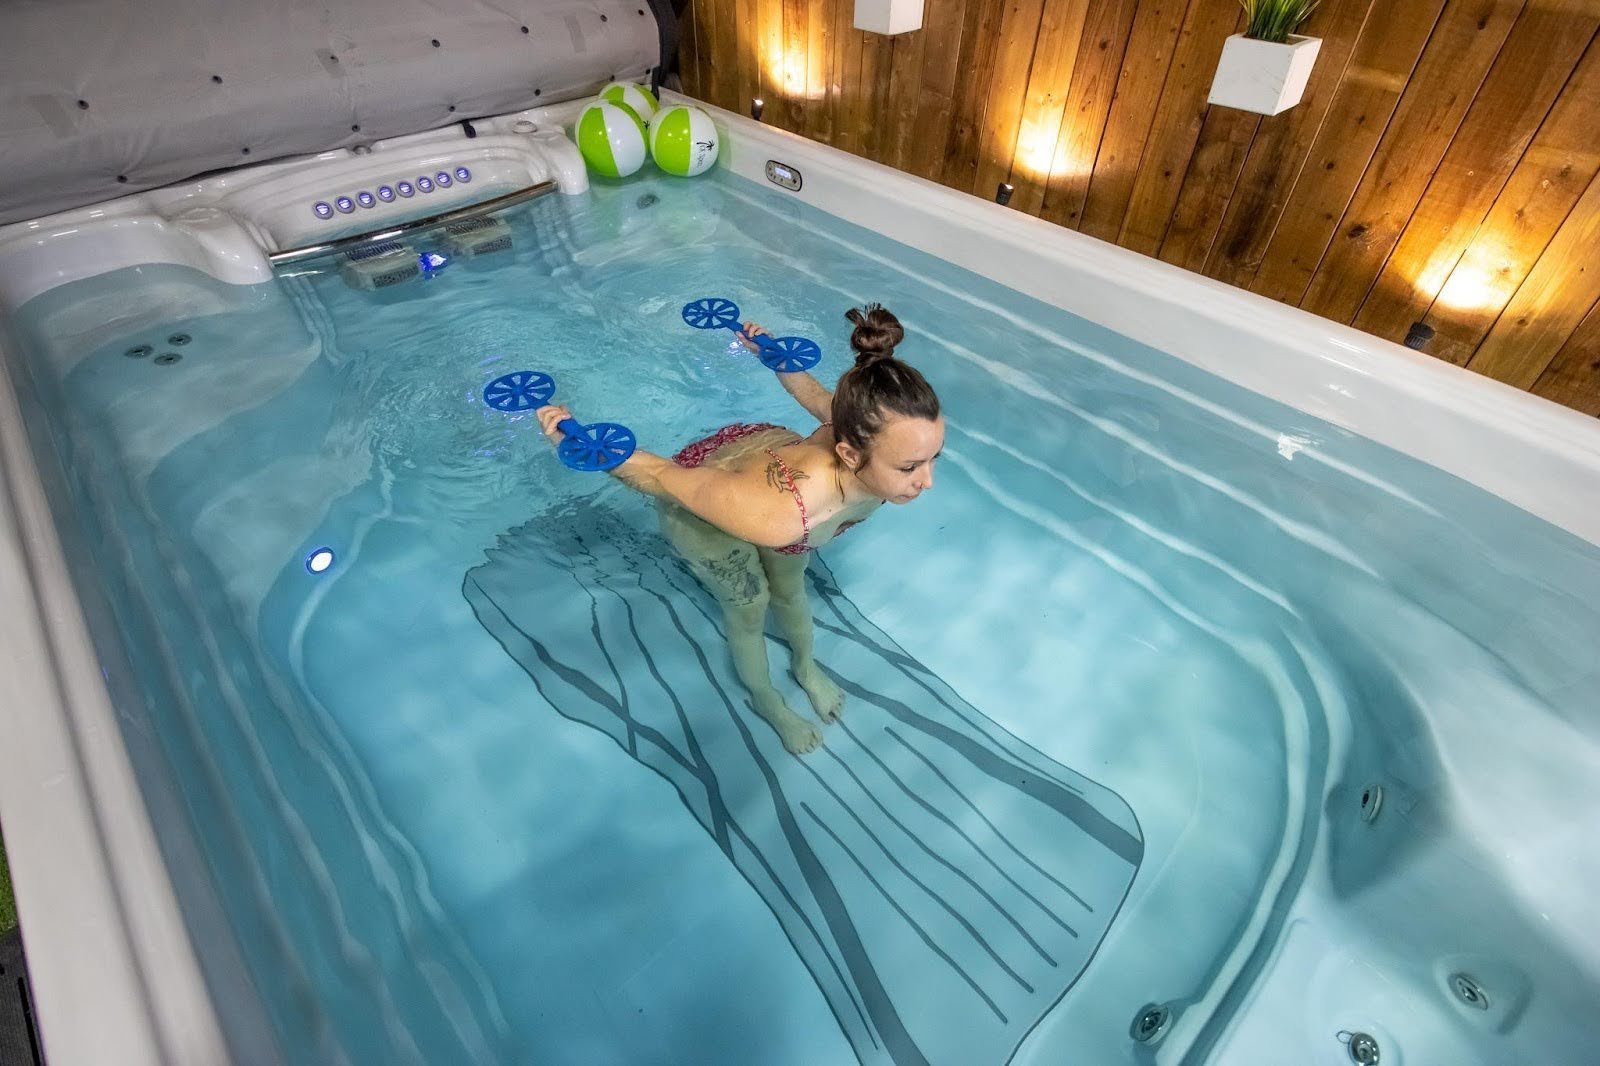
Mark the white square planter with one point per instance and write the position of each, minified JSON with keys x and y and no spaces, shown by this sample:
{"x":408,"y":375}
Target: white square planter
{"x":1261,"y":76}
{"x":888,"y":16}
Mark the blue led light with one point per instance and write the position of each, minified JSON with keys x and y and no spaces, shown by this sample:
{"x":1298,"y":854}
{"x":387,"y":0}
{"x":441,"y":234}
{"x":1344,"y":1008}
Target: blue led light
{"x":404,"y":188}
{"x":345,"y":204}
{"x":319,"y":561}
{"x":463,"y":174}
{"x":385,"y":193}
{"x":431,"y":261}
{"x":424,"y":184}
{"x":443,"y":178}
{"x":365,"y":198}
{"x":322,"y":209}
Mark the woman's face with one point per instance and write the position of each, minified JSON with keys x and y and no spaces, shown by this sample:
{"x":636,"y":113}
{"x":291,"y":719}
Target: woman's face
{"x":899,"y":467}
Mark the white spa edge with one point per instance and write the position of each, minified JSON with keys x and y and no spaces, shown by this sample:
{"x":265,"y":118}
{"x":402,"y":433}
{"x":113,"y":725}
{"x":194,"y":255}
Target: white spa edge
{"x":114,"y":974}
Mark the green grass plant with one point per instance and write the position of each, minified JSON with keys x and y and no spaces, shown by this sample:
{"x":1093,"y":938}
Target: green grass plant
{"x":1275,"y":20}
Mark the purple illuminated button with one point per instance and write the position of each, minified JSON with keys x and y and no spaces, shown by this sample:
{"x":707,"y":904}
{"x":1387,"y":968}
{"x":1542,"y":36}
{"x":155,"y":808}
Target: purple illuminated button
{"x":385,"y":194}
{"x":443,"y":178}
{"x":404,"y":188}
{"x":365,"y":198}
{"x":463,"y":174}
{"x":322,"y":209}
{"x":345,"y":204}
{"x":424,"y":184}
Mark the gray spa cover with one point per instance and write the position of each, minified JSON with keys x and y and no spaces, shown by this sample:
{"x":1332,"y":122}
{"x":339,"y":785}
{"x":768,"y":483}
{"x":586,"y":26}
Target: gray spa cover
{"x":99,"y":98}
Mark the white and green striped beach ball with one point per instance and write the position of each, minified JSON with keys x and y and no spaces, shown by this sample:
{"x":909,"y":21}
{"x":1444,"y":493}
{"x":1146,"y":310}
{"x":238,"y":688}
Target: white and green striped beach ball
{"x":611,"y":138}
{"x":683,"y":141}
{"x":638,"y":97}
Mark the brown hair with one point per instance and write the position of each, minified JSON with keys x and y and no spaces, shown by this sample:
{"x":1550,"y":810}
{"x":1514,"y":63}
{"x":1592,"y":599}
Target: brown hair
{"x":879,"y":385}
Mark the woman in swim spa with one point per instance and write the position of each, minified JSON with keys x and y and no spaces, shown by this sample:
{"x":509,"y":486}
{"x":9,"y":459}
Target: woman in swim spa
{"x":747,"y":504}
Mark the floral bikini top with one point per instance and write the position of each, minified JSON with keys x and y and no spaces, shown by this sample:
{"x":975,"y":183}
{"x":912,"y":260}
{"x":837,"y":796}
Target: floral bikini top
{"x":697,"y":453}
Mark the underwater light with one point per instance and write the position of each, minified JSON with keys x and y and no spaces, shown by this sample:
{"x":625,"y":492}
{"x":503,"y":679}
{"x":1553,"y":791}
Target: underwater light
{"x":442,"y":179}
{"x":322,"y":209}
{"x":463,"y":174}
{"x":404,"y":188}
{"x":319,"y":560}
{"x":432,"y":260}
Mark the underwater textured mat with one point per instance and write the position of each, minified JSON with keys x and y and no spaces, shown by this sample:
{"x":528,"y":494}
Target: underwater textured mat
{"x":944,"y":883}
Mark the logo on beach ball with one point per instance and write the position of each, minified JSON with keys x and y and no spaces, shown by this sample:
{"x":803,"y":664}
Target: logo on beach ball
{"x":683,"y":141}
{"x":611,"y":138}
{"x":638,"y":98}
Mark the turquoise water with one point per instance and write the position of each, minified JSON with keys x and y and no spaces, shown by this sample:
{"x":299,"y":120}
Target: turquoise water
{"x":1210,"y":618}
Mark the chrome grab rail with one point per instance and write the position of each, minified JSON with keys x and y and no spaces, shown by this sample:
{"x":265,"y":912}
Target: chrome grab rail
{"x":389,"y":233}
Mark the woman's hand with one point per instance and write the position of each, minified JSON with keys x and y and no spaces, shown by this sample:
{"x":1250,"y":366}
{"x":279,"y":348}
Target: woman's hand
{"x":750,"y":332}
{"x":548,"y":417}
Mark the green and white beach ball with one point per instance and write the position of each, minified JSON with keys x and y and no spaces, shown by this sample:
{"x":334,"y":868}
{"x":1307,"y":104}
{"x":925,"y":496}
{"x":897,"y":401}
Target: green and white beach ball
{"x":611,"y":138}
{"x":638,"y":97}
{"x":683,"y":141}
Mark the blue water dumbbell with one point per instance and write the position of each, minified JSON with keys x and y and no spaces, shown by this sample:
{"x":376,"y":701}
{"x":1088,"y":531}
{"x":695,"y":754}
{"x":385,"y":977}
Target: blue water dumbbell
{"x":598,"y":446}
{"x":786,"y":355}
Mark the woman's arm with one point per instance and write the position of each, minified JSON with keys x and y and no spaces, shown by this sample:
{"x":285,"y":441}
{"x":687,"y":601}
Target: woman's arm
{"x":809,"y":393}
{"x":734,"y":503}
{"x":806,"y":390}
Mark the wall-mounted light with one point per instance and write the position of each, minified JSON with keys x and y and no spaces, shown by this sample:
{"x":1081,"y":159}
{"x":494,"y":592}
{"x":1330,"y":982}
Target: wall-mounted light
{"x":1002,"y":193}
{"x":319,"y":561}
{"x":757,"y":105}
{"x":1419,"y":335}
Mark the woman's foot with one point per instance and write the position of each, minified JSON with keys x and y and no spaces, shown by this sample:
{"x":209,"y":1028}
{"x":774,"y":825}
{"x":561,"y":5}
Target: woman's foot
{"x":797,"y":734}
{"x":827,"y":699}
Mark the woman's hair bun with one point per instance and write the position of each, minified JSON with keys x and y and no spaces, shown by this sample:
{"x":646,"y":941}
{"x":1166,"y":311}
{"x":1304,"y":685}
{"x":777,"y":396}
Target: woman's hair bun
{"x":876,"y":334}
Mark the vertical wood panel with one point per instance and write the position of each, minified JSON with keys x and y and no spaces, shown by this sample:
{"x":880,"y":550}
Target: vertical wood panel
{"x":1083,"y":121}
{"x":845,"y":81}
{"x":1461,"y":50}
{"x":1548,"y":306}
{"x":1443,"y":161}
{"x":689,"y":51}
{"x":748,"y":61}
{"x":941,"y":71}
{"x":769,"y":59}
{"x":1002,"y":116}
{"x":1573,"y":377}
{"x":1278,"y":153}
{"x":905,"y":92}
{"x":1534,"y":64}
{"x":1558,"y":166}
{"x":1180,"y":114}
{"x":1390,"y":45}
{"x":1033,"y":154}
{"x":726,"y":51}
{"x":1144,"y":72}
{"x":795,"y":105}
{"x":1208,"y":187}
{"x":978,"y":43}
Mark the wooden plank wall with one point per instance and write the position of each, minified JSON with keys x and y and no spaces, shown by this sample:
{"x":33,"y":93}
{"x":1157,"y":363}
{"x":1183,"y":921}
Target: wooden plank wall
{"x":1443,"y":167}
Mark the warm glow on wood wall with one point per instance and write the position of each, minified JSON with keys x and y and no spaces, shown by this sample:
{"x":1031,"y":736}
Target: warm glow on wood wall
{"x":1442,"y":167}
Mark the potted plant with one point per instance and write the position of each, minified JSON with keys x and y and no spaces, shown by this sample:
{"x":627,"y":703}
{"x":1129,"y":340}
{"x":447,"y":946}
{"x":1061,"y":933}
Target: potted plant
{"x":1265,"y":68}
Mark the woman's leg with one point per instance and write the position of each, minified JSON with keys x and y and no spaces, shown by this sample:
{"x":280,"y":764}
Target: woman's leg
{"x":786,"y":580}
{"x":731,"y":569}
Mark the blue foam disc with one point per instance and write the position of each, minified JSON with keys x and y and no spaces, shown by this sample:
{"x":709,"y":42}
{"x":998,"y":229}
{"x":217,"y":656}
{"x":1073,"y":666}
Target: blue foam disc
{"x":789,"y":355}
{"x":601,"y":446}
{"x":521,"y":390}
{"x":714,"y":312}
